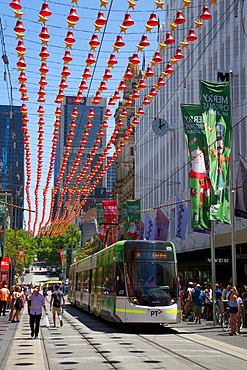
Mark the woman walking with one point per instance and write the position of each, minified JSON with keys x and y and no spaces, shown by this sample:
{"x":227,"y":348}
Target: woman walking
{"x":233,"y":311}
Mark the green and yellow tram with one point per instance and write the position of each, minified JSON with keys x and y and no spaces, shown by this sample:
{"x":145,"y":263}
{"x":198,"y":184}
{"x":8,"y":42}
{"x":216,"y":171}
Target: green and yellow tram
{"x":133,"y":281}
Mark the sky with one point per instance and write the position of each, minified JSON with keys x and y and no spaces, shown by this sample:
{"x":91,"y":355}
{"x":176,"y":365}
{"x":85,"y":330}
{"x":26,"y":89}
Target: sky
{"x":83,"y":31}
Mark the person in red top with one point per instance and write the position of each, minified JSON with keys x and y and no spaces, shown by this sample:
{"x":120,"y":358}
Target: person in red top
{"x":4,"y":293}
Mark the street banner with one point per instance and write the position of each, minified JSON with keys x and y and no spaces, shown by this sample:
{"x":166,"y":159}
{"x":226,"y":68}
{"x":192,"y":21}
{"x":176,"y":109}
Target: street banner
{"x":125,"y":218}
{"x":161,"y":226}
{"x":216,"y":111}
{"x":149,"y":227}
{"x":199,"y":162}
{"x":241,"y":191}
{"x":21,"y":253}
{"x":100,"y":214}
{"x":181,"y":218}
{"x":110,"y":211}
{"x":133,"y":210}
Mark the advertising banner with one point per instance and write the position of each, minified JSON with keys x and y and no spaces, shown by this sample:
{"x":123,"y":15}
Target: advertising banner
{"x":216,"y":111}
{"x":110,"y":211}
{"x":161,"y":226}
{"x":241,"y":192}
{"x":181,"y":219}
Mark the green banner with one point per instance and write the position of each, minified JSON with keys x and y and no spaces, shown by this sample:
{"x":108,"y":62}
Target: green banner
{"x":198,"y":176}
{"x":133,"y":206}
{"x":100,"y":214}
{"x":216,"y":110}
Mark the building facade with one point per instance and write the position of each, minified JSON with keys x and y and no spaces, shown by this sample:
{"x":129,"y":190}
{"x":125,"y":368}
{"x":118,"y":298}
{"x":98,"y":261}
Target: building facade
{"x":12,"y":162}
{"x":161,"y":160}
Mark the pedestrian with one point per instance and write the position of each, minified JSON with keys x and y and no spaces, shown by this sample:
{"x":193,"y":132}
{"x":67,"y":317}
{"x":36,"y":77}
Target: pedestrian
{"x":226,"y":292}
{"x":239,"y":314}
{"x":218,"y":292}
{"x":12,"y":302}
{"x":55,"y":304}
{"x":198,"y":298}
{"x":188,"y":307}
{"x":208,"y":301}
{"x":19,"y":303}
{"x":233,"y":311}
{"x":37,"y":302}
{"x":4,"y":294}
{"x":28,"y":294}
{"x":45,"y":291}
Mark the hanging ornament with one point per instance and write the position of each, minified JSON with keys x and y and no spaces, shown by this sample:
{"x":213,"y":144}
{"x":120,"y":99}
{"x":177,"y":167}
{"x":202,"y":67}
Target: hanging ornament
{"x":184,"y":44}
{"x":65,"y":72}
{"x":21,"y":64}
{"x":153,"y":21}
{"x":119,"y":43}
{"x":103,"y":3}
{"x":159,"y":4}
{"x":112,"y":61}
{"x":160,"y":82}
{"x":43,"y":81}
{"x":156,"y":59}
{"x":111,"y":101}
{"x":191,"y":36}
{"x":20,"y":48}
{"x":169,"y":69}
{"x":128,"y":21}
{"x":44,"y":53}
{"x":129,"y":101}
{"x":83,"y":85}
{"x":122,"y":86}
{"x":94,"y":42}
{"x":67,"y":57}
{"x":140,"y":112}
{"x":128,"y":74}
{"x":116,"y":95}
{"x":19,"y":28}
{"x":144,"y":41}
{"x":169,"y":39}
{"x":72,"y":18}
{"x":86,"y":74}
{"x":102,"y":86}
{"x":198,"y":24}
{"x":134,"y":59}
{"x":45,"y":11}
{"x":135,"y":94}
{"x":205,"y":14}
{"x":179,"y":54}
{"x":15,"y":4}
{"x":44,"y":35}
{"x":100,"y":21}
{"x":18,"y":13}
{"x":69,"y":39}
{"x":22,"y":78}
{"x":179,"y":18}
{"x":141,"y":84}
{"x":90,"y":60}
{"x":187,"y":3}
{"x":107,"y":74}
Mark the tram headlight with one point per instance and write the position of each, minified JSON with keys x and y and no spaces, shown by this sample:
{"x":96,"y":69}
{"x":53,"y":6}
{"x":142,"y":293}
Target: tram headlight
{"x":173,"y":300}
{"x":133,"y":300}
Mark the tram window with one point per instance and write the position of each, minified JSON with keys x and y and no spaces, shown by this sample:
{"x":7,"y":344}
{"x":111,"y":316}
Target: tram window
{"x":94,"y":280}
{"x":86,"y":282}
{"x":108,"y":280}
{"x":76,"y":281}
{"x":120,"y":284}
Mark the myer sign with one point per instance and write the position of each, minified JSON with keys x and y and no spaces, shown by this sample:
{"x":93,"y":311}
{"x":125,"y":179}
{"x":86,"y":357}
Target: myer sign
{"x":223,"y":76}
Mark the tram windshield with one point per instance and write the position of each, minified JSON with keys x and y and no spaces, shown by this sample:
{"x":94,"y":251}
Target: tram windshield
{"x":151,"y":274}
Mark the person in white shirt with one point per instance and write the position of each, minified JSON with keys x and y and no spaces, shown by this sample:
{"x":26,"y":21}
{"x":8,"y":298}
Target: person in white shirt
{"x":37,"y":302}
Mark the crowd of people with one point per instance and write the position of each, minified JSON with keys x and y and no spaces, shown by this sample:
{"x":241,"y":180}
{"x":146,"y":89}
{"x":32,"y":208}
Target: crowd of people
{"x":15,"y":298}
{"x":197,"y":301}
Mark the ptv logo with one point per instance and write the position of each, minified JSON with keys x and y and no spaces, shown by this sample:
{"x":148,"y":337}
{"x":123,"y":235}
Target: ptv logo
{"x":156,"y":312}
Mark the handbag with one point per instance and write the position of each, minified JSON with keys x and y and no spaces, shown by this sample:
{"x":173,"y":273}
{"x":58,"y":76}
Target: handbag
{"x":45,"y":321}
{"x":22,"y":303}
{"x":10,"y":299}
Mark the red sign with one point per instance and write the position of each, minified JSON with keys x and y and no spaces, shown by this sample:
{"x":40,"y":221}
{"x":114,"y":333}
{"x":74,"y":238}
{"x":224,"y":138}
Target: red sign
{"x":110,"y":211}
{"x":21,"y":254}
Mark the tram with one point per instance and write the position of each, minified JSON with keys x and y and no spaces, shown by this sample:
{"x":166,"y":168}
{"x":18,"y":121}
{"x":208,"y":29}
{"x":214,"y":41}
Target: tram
{"x":132,"y":281}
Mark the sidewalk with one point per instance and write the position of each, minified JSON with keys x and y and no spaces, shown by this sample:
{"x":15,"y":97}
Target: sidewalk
{"x":17,"y":348}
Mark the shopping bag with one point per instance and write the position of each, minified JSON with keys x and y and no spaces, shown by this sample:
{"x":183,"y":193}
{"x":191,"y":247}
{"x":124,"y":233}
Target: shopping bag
{"x":45,"y":321}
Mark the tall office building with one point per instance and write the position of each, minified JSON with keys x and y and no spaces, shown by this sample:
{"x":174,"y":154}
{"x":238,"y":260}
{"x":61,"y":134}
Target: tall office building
{"x":161,"y":161}
{"x":81,"y":122}
{"x":12,"y":162}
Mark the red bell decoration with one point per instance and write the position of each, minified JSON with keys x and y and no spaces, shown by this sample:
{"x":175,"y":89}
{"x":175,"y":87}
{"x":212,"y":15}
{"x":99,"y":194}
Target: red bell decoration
{"x":111,"y":102}
{"x":43,"y":69}
{"x":153,"y":21}
{"x":134,"y":121}
{"x":135,"y":59}
{"x":79,"y":95}
{"x":140,"y":111}
{"x":73,"y":17}
{"x":15,"y":4}
{"x":40,"y":110}
{"x":57,"y":122}
{"x":41,"y":91}
{"x":43,"y":81}
{"x":128,"y":73}
{"x":22,"y":77}
{"x":120,"y":123}
{"x":119,"y":42}
{"x":129,"y":101}
{"x":112,"y":61}
{"x":144,"y":41}
{"x":153,"y":92}
{"x":91,"y":113}
{"x":102,"y":86}
{"x":107,"y":113}
{"x":23,"y":109}
{"x":100,"y":21}
{"x":116,"y":95}
{"x":44,"y":53}
{"x":63,"y":84}
{"x":107,"y":74}
{"x":23,"y":88}
{"x":104,"y":124}
{"x":58,"y":112}
{"x":146,"y":101}
{"x":179,"y":18}
{"x":41,"y":99}
{"x":179,"y":54}
{"x":90,"y":59}
{"x":98,"y":96}
{"x":157,"y":57}
{"x":86,"y":74}
{"x":67,"y":57}
{"x":128,"y":21}
{"x":141,"y":84}
{"x":122,"y":144}
{"x":169,"y":69}
{"x":169,"y":39}
{"x":94,"y":41}
{"x":124,"y":113}
{"x":19,"y":28}
{"x":149,"y":72}
{"x":205,"y":14}
{"x":191,"y":36}
{"x":69,"y":39}
{"x":122,"y":86}
{"x":24,"y":97}
{"x":20,"y":46}
{"x":160,"y":82}
{"x":135,"y":94}
{"x":21,"y":64}
{"x":75,"y":113}
{"x":44,"y":33}
{"x":65,"y":72}
{"x":83,"y":85}
{"x":45,"y":11}
{"x":101,"y":132}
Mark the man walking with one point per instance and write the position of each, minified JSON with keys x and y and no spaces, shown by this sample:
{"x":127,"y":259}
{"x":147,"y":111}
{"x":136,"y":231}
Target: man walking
{"x":4,"y":293}
{"x":37,"y":302}
{"x":56,"y":303}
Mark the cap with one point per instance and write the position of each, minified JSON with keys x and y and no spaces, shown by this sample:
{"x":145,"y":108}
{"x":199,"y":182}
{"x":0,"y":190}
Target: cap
{"x":198,"y":285}
{"x":57,"y":285}
{"x":190,"y":283}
